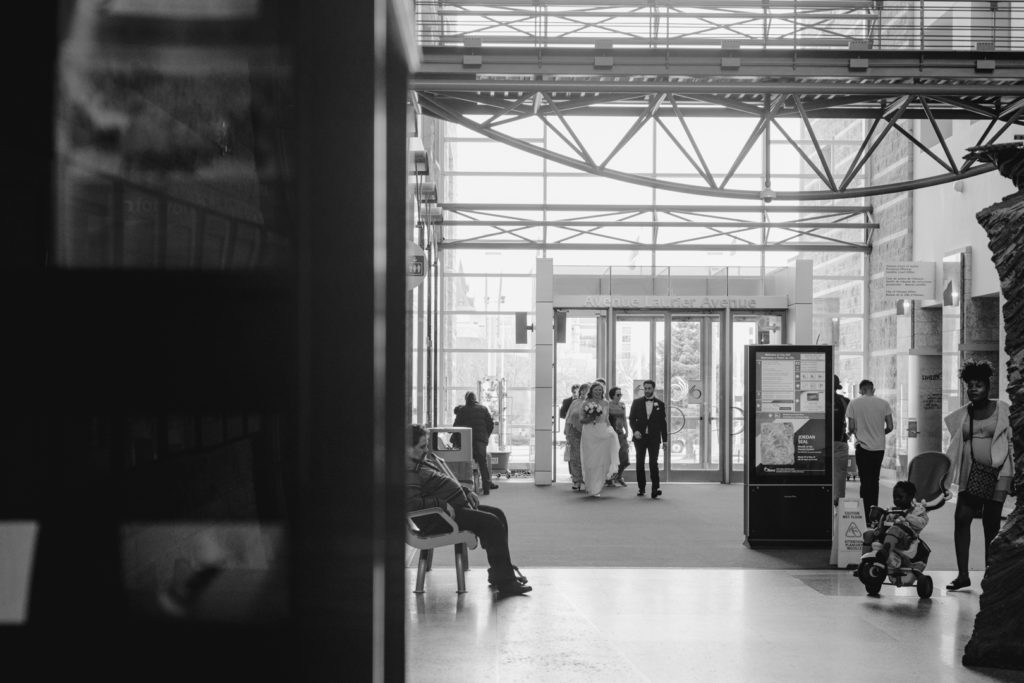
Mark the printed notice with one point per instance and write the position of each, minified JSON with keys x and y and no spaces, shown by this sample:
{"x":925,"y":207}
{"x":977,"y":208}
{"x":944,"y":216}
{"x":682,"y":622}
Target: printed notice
{"x":910,"y":280}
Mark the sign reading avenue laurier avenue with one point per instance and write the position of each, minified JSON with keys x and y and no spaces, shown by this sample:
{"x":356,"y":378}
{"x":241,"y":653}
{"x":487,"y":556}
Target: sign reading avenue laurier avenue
{"x":667,"y":301}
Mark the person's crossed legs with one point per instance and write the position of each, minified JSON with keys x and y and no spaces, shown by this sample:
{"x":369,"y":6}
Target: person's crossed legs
{"x":491,"y":527}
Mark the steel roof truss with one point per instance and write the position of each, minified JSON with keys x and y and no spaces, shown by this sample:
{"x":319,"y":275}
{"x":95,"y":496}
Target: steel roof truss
{"x":825,"y":175}
{"x":950,"y":166}
{"x":701,"y":169}
{"x":1016,"y":110}
{"x":578,"y":147}
{"x":655,"y":102}
{"x":830,"y":181}
{"x":770,"y":108}
{"x":864,"y":153}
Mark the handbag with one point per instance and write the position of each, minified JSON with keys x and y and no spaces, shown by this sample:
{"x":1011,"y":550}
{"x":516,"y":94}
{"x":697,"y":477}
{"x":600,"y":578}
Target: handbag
{"x":981,"y":479}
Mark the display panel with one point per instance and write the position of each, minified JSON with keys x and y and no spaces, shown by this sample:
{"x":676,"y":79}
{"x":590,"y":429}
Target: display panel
{"x":790,"y":403}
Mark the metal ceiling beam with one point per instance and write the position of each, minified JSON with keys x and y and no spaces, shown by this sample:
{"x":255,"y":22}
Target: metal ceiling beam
{"x":640,"y":227}
{"x":535,"y":246}
{"x":476,"y":222}
{"x":907,"y":84}
{"x":442,"y":62}
{"x":679,"y":208}
{"x":579,"y":157}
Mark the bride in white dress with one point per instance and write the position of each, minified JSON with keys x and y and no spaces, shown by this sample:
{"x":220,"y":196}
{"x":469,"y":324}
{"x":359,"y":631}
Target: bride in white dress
{"x":599,"y":446}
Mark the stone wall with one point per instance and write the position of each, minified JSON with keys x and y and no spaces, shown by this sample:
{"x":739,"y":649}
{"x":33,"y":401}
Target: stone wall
{"x":888,"y":333}
{"x":998,"y":637}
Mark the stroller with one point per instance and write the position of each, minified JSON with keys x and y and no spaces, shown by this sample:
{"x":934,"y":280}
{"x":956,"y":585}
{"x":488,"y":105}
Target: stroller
{"x":927,"y":472}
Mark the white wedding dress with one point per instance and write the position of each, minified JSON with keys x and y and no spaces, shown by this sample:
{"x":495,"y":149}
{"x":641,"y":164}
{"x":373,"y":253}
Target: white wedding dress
{"x":599,"y":449}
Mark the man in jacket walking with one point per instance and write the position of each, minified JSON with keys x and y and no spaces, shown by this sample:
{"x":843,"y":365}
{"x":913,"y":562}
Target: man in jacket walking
{"x":649,"y":423}
{"x":476,"y":416}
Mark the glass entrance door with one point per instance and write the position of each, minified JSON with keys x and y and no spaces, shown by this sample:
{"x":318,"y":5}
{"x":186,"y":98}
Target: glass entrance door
{"x":698,"y":371}
{"x":675,"y":350}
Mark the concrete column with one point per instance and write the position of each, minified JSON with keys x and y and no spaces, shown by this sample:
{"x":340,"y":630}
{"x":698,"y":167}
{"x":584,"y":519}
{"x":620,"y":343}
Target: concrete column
{"x":544,"y":357}
{"x":799,"y":322}
{"x":924,"y":402}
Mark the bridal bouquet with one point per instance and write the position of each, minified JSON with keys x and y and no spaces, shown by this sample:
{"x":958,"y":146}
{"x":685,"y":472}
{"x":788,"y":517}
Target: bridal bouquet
{"x":590,"y":412}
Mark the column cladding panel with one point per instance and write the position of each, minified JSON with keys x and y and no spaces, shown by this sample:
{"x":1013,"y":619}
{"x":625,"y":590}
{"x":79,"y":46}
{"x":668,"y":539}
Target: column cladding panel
{"x":544,"y":357}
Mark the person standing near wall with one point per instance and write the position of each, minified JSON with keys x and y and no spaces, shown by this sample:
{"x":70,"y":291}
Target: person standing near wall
{"x":840,"y":443}
{"x":981,"y":462}
{"x":869,"y":419}
{"x":476,"y":416}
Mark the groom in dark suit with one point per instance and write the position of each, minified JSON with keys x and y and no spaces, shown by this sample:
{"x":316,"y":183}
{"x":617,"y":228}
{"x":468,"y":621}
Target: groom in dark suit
{"x":649,"y":423}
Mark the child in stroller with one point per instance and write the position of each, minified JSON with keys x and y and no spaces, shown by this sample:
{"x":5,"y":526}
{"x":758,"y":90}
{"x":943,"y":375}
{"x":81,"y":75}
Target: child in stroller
{"x":893,"y":548}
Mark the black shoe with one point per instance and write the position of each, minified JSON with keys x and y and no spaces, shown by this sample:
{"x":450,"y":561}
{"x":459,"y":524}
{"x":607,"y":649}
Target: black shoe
{"x":485,"y":492}
{"x":958,"y":583}
{"x":513,"y":588}
{"x":493,"y":486}
{"x":655,"y":493}
{"x":640,"y":492}
{"x":518,"y":577}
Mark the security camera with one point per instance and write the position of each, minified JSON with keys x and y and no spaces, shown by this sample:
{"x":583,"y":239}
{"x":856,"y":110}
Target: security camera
{"x":767,"y":195}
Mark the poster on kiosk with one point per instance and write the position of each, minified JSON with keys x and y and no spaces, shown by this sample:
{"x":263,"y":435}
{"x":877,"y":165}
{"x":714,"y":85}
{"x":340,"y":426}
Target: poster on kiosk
{"x":788,"y":444}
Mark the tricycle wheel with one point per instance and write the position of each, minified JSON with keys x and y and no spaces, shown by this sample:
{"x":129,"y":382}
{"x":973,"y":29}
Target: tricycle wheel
{"x":924,"y":587}
{"x":871,"y":574}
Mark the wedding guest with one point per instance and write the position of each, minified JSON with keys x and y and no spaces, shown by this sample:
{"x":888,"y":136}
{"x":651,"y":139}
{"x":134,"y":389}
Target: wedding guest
{"x":573,"y":431}
{"x":617,"y":418}
{"x":567,"y":401}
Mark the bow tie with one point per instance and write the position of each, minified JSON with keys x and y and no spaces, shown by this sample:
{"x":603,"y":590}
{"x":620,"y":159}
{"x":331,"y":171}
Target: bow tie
{"x":650,"y":400}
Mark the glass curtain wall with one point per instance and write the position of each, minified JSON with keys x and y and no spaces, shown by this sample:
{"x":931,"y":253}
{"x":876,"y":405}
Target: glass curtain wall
{"x":480,"y":294}
{"x":480,"y":290}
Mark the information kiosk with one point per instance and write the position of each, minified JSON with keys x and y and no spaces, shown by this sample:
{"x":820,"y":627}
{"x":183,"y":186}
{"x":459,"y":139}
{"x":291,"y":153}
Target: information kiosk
{"x":788,"y":489}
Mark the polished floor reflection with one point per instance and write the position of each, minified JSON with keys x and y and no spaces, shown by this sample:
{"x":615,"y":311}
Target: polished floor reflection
{"x":667,"y":624}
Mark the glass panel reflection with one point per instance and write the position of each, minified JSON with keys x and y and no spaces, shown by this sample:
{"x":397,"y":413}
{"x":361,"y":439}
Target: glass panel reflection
{"x":172,"y":137}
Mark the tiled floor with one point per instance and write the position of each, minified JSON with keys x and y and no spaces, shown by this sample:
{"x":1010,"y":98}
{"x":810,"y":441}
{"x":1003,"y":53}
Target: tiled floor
{"x":715,"y":625}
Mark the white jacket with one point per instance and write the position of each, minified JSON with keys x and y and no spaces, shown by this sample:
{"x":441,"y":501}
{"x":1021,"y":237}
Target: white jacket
{"x":1002,"y":442}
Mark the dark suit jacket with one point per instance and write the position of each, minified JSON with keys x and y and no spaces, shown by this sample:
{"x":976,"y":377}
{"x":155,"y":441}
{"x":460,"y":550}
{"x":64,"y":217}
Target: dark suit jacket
{"x":564,"y":410}
{"x":655,"y":427}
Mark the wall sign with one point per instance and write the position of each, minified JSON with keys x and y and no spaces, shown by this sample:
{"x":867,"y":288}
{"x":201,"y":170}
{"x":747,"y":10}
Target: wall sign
{"x":910,"y":280}
{"x":668,"y":301}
